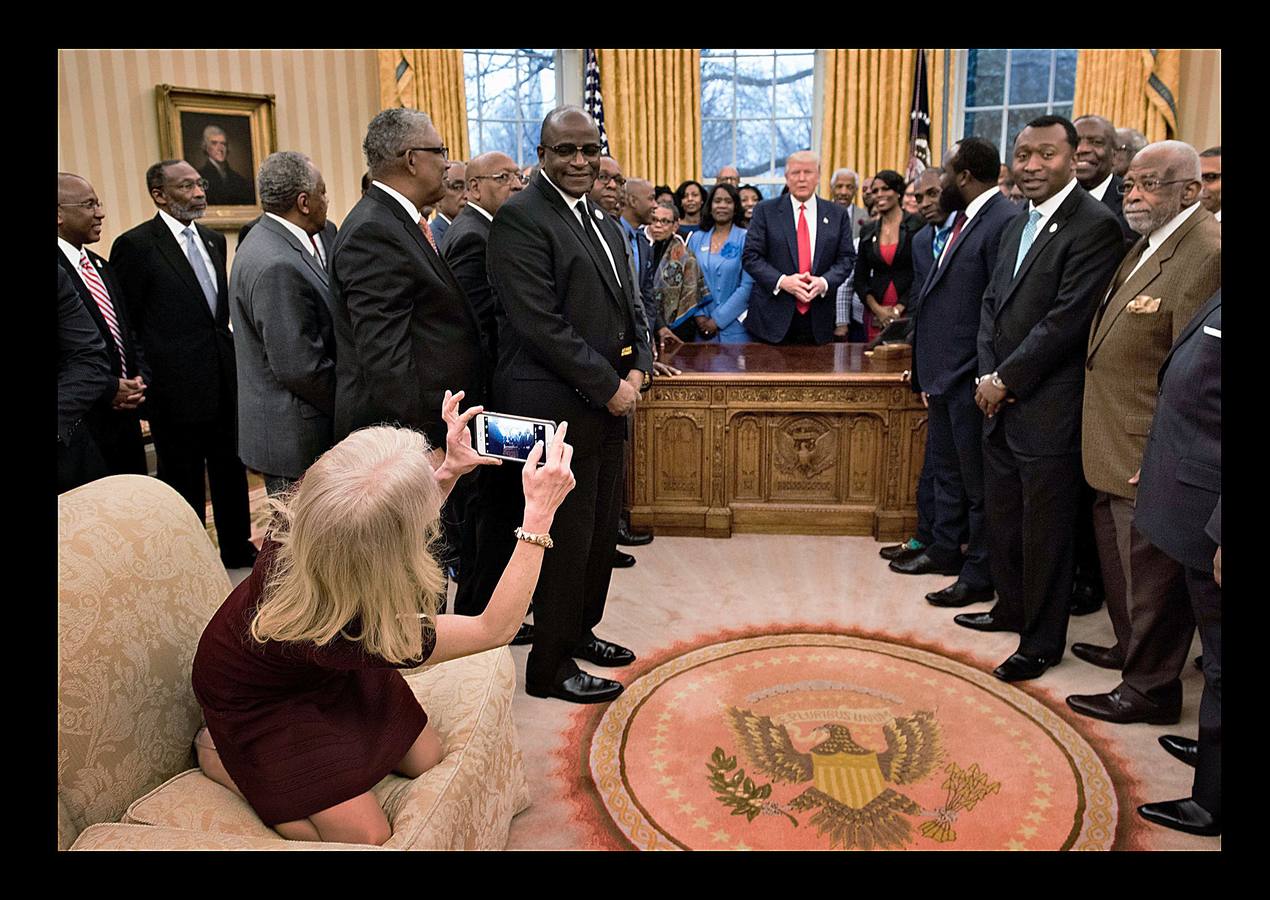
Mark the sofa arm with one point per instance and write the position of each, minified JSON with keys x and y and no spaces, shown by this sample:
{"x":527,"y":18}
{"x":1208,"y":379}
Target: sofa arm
{"x":117,"y":836}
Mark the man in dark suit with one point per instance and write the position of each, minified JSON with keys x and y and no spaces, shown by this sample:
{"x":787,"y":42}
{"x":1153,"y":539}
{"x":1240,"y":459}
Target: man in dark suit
{"x":114,"y":420}
{"x":1179,"y":511}
{"x":83,"y":379}
{"x":571,"y":348}
{"x":1095,"y":156}
{"x":224,"y":185}
{"x":945,"y":361}
{"x":798,"y":250}
{"x":1052,"y":268}
{"x":453,"y":201}
{"x":284,"y":341}
{"x":172,"y":272}
{"x":405,"y":331}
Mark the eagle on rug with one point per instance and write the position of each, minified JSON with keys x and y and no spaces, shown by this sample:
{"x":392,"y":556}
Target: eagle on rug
{"x":855,"y":807}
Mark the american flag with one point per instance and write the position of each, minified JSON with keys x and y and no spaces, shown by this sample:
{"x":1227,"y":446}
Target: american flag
{"x":591,"y":100}
{"x":919,"y":129}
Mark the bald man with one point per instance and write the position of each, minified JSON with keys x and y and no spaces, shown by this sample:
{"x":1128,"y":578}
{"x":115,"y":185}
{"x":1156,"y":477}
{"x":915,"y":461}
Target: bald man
{"x":798,"y":250}
{"x":1170,"y":273}
{"x":451,"y":204}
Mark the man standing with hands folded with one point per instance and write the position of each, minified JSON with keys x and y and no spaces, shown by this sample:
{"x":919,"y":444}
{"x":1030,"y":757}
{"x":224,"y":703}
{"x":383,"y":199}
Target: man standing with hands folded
{"x":793,"y":297}
{"x":570,"y":349}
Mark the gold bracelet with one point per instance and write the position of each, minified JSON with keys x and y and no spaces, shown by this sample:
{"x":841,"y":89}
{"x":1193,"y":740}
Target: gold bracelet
{"x":542,"y":540}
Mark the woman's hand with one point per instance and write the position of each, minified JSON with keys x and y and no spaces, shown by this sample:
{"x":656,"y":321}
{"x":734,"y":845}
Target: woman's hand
{"x":706,"y":326}
{"x":460,"y":457}
{"x":547,"y":486}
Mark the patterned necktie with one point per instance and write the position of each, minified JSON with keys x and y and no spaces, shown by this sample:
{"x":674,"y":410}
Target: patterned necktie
{"x":804,"y":254}
{"x":97,"y":288}
{"x":200,"y":267}
{"x":1029,"y":235}
{"x":958,"y":224}
{"x":940,"y":239}
{"x":427,"y":232}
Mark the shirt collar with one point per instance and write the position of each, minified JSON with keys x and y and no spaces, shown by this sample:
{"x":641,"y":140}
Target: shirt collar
{"x":979,"y":203}
{"x":1162,"y":234}
{"x":481,"y":210}
{"x":441,"y":215}
{"x":411,"y":210}
{"x":571,"y":202}
{"x":1101,"y":189}
{"x":301,"y":235}
{"x":69,"y":251}
{"x":810,"y":201}
{"x":175,"y":225}
{"x":1050,"y":206}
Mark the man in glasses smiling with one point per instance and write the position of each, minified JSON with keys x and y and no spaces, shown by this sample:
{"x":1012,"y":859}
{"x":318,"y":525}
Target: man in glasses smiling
{"x":571,"y":348}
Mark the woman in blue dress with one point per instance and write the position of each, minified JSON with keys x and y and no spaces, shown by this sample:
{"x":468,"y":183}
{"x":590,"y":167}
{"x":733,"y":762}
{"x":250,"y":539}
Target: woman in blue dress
{"x":718,"y":247}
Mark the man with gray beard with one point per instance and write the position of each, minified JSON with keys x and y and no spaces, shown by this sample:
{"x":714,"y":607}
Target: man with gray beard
{"x":1169,"y":274}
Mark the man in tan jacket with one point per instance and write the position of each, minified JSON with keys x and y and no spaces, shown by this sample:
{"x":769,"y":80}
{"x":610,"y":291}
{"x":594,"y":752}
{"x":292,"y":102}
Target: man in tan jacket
{"x":1169,"y":274}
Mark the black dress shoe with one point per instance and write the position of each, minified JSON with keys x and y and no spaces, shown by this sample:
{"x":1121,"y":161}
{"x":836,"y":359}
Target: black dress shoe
{"x":924,"y":564}
{"x":959,"y":594}
{"x":1181,"y":748}
{"x":604,"y":653}
{"x":1087,"y":598}
{"x":524,"y":635}
{"x":1121,"y":709}
{"x":984,"y":621}
{"x":622,"y":560}
{"x":243,"y":557}
{"x":1181,"y":815}
{"x":626,"y":538}
{"x":910,"y":548}
{"x":1021,"y":667}
{"x":1103,"y":657}
{"x":581,"y":688}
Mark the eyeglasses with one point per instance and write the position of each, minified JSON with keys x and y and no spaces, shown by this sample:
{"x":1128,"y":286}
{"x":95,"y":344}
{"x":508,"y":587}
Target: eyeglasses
{"x":568,"y":151}
{"x":603,"y":178}
{"x":189,"y":185}
{"x":502,"y":177}
{"x":87,"y":204}
{"x":1148,"y":185}
{"x":455,"y":185}
{"x":443,"y":151}
{"x":1211,"y":177}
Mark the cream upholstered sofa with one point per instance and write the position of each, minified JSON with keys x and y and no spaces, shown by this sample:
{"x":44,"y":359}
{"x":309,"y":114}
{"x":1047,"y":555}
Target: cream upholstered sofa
{"x":138,"y":579}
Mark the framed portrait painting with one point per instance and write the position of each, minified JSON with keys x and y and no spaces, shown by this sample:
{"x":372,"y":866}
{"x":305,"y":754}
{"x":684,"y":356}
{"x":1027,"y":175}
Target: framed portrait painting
{"x":225,"y":135}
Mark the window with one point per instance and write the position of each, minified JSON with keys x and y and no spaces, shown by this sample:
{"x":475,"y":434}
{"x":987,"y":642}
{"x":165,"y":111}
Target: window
{"x":1005,"y":89}
{"x":756,"y":109}
{"x":508,"y":94}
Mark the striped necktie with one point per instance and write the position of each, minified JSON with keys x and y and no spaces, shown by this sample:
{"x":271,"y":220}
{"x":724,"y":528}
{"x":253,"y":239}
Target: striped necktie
{"x":1029,"y":235}
{"x":427,"y":232}
{"x":97,"y":288}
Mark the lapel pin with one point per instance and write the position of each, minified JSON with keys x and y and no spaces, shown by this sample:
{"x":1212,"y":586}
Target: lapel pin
{"x":825,"y":220}
{"x":599,"y":215}
{"x":1054,"y":228}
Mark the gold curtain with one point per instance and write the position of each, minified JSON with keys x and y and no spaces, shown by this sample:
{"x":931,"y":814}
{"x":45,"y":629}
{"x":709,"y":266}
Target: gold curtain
{"x":868,"y":96}
{"x":430,"y":81}
{"x":652,"y":112}
{"x":1132,"y":88}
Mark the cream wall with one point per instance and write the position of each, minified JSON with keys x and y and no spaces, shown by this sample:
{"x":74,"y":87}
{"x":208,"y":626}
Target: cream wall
{"x":108,"y":131}
{"x":1199,"y":98}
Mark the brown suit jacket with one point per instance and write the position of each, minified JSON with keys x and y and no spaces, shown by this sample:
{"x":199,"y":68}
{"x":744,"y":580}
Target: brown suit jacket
{"x":1127,"y":347}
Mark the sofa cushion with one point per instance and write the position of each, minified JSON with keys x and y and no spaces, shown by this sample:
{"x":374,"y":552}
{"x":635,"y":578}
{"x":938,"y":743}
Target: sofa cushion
{"x":115,"y":836}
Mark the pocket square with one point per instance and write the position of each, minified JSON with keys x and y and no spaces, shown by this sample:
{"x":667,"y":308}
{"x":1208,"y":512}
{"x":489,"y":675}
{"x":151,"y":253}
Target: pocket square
{"x":1143,"y":305}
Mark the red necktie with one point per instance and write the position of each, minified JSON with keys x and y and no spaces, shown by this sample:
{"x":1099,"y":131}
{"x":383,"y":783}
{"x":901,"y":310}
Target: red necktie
{"x":427,"y":232}
{"x":957,"y":225}
{"x":97,"y":288}
{"x":804,"y":254}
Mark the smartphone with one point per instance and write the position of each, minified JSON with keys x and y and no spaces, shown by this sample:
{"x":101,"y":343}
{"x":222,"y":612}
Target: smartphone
{"x":511,"y":437}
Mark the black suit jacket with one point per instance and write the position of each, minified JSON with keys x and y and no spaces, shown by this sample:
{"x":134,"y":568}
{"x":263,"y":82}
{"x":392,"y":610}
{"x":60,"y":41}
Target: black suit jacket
{"x":1034,"y":326}
{"x":566,"y":317}
{"x":404,"y":329}
{"x":190,"y":352}
{"x":771,"y":250}
{"x":872,"y":273}
{"x":464,"y":250}
{"x":1114,"y":202}
{"x":923,"y":262}
{"x":83,"y":370}
{"x":948,"y":302}
{"x":1179,"y":493}
{"x":133,"y":353}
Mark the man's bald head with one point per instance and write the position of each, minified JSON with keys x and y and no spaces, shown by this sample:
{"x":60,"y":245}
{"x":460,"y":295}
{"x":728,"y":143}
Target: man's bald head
{"x":79,"y":214}
{"x":563,"y":117}
{"x":570,"y":129}
{"x":928,"y":188}
{"x":728,"y":175}
{"x":489,"y":164}
{"x":640,"y":201}
{"x":492,"y":178}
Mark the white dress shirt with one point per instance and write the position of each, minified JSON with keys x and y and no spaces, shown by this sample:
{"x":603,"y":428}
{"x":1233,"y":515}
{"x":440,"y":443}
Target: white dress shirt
{"x":301,"y":235}
{"x":812,"y":220}
{"x":572,"y":203}
{"x":1162,"y":234}
{"x":1050,"y":206}
{"x":1098,"y":192}
{"x":70,"y":252}
{"x":971,"y":211}
{"x":178,"y":232}
{"x":481,"y":210}
{"x":409,"y":207}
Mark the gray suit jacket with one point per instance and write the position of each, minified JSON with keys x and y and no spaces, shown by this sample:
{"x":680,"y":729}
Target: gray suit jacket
{"x":284,"y":343}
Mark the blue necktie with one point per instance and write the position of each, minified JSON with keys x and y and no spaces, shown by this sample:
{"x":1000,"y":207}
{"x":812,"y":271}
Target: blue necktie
{"x":200,"y":268}
{"x":1029,"y":235}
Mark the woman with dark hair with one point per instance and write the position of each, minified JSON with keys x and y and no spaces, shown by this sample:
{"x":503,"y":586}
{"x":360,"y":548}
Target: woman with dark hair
{"x":679,"y":290}
{"x":690,"y":197}
{"x":750,"y":198}
{"x":884,"y":264}
{"x":663,"y":193}
{"x":717,"y":247}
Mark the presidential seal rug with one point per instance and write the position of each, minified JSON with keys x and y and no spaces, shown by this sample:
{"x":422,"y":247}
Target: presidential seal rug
{"x":815,"y":740}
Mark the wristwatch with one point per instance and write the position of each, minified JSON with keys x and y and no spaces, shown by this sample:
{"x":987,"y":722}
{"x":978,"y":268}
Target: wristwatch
{"x":994,"y":379}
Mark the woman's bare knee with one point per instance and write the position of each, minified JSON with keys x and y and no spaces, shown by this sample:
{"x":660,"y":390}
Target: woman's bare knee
{"x":424,"y":753}
{"x":356,"y":821}
{"x":299,"y":830}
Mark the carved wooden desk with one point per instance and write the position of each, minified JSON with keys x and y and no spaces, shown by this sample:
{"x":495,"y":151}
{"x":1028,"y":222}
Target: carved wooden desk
{"x":779,"y":440}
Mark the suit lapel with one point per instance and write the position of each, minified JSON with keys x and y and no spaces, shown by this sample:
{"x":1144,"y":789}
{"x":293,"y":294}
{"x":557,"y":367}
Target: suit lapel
{"x":822,"y":233}
{"x":558,"y":206}
{"x":174,"y":253}
{"x":1056,"y":224}
{"x":306,"y":253}
{"x":966,"y":229}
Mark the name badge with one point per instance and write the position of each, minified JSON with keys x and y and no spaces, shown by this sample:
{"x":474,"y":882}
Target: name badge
{"x":628,"y":350}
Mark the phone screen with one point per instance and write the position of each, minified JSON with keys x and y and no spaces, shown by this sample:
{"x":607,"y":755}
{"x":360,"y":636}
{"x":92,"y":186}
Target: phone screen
{"x":511,"y":438}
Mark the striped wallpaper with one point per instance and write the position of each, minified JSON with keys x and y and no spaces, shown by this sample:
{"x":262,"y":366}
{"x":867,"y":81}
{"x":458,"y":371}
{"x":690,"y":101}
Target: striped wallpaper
{"x":108,"y":132}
